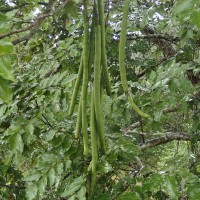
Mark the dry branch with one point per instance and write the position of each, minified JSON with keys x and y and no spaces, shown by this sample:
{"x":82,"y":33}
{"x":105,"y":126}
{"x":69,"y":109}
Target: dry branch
{"x":168,"y":138}
{"x":152,"y":36}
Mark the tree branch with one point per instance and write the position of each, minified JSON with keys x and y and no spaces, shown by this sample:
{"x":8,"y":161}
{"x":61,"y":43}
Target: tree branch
{"x":152,"y":36}
{"x":53,"y":72}
{"x":142,"y":73}
{"x":131,"y":128}
{"x":12,"y":186}
{"x":168,"y":138}
{"x":36,"y":22}
{"x":4,"y":10}
{"x":172,"y":109}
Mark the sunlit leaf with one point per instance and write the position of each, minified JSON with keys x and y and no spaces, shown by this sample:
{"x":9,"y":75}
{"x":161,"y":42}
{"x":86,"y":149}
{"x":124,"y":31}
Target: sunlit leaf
{"x":81,"y":194}
{"x":42,"y":183}
{"x":49,"y":158}
{"x":6,"y":68}
{"x":69,"y":79}
{"x":29,"y":128}
{"x":171,"y":186}
{"x":31,"y":191}
{"x":73,"y":187}
{"x":51,"y":176}
{"x":6,"y":47}
{"x":104,"y":167}
{"x":5,"y":90}
{"x":181,"y":7}
{"x":67,"y":164}
{"x":50,"y":134}
{"x":60,"y":168}
{"x":16,"y":142}
{"x":34,"y":175}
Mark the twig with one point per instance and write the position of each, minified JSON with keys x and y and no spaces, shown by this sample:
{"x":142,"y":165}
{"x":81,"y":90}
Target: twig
{"x":46,"y":120}
{"x":153,"y":36}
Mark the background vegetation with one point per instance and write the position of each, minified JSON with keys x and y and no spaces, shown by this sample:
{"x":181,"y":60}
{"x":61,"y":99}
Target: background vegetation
{"x":42,"y":153}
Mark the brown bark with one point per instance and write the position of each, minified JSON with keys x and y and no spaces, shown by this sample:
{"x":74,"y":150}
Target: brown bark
{"x":168,"y":138}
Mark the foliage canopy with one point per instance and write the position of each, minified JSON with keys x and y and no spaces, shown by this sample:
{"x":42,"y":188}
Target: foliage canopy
{"x":99,"y":99}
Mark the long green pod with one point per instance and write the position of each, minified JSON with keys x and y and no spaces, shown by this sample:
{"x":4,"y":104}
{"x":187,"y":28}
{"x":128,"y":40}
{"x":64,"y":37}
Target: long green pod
{"x":103,"y":48}
{"x":79,"y":120}
{"x":85,"y":79}
{"x":76,"y":88}
{"x":94,"y":143}
{"x":97,"y":89}
{"x":134,"y":107}
{"x":122,"y":44}
{"x":92,"y":42}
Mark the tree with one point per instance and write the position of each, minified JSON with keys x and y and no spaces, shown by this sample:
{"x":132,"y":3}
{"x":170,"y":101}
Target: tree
{"x":99,"y":99}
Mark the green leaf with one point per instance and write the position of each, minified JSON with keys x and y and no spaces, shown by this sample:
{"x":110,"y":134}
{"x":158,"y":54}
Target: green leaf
{"x":6,"y":47}
{"x":73,"y":197}
{"x":42,"y":183}
{"x":17,"y":159}
{"x":127,"y":145}
{"x":60,"y":168}
{"x":104,"y":167}
{"x":153,"y":181}
{"x":81,"y":194}
{"x":49,"y":157}
{"x":185,"y":85}
{"x":188,"y":176}
{"x":130,"y":196}
{"x":33,"y":175}
{"x":171,"y":186}
{"x":2,"y":110}
{"x":5,"y":90}
{"x":69,"y":79}
{"x":31,"y":191}
{"x":50,"y":134}
{"x":102,"y":197}
{"x":16,"y":143}
{"x":75,"y":185}
{"x":29,"y":128}
{"x":195,"y":18}
{"x":71,"y":9}
{"x":6,"y":68}
{"x":3,"y":17}
{"x":51,"y":176}
{"x":67,"y":164}
{"x":194,"y":191}
{"x":157,"y":116}
{"x":182,"y":6}
{"x":57,"y":141}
